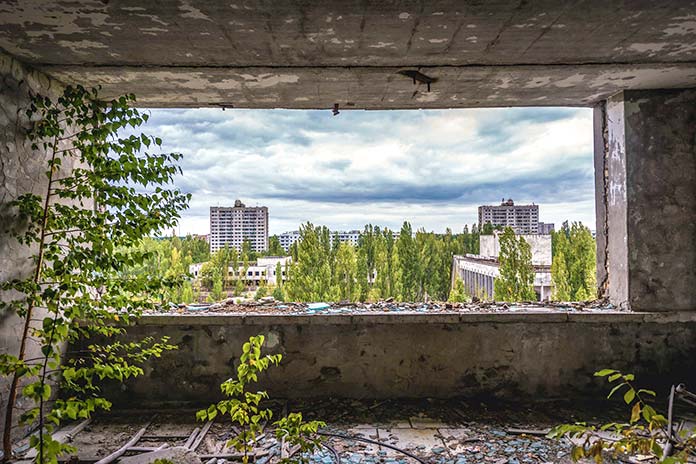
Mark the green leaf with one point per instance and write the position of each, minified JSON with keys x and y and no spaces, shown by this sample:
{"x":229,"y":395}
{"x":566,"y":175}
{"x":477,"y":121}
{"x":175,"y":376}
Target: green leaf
{"x":604,"y":372}
{"x":629,"y":395}
{"x":615,"y":389}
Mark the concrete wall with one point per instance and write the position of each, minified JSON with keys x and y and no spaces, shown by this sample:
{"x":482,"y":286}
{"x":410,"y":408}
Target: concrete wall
{"x":511,"y":355}
{"x":21,"y":171}
{"x":650,"y":189}
{"x":489,"y":245}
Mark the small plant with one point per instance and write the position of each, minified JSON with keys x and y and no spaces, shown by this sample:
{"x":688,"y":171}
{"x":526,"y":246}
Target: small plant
{"x":244,"y":409}
{"x":645,"y":432}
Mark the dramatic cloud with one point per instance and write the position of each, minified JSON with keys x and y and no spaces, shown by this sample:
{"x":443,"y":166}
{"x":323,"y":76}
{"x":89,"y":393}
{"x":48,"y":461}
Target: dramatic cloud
{"x":432,"y":168}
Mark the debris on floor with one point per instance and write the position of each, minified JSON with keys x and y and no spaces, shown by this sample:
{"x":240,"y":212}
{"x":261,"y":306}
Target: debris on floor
{"x":370,"y":432}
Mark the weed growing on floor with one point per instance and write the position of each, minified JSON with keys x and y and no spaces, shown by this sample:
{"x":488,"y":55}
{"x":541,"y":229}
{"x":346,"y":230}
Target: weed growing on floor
{"x":242,"y":406}
{"x":645,"y":432}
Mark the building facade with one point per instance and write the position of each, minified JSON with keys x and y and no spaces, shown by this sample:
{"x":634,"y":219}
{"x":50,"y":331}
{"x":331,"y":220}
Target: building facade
{"x":478,"y":272}
{"x":287,"y":239}
{"x":546,"y":228}
{"x":233,"y":225}
{"x":523,"y":219}
{"x":263,"y":271}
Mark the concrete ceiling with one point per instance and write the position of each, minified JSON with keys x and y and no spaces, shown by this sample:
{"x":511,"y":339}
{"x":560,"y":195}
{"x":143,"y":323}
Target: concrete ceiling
{"x":312,"y":54}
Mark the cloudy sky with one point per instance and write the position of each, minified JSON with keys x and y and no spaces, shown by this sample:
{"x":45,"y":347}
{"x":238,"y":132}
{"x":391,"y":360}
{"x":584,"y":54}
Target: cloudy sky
{"x":432,"y":168}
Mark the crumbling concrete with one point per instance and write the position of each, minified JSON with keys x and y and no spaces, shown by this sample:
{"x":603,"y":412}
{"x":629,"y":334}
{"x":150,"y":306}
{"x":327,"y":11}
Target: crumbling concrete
{"x":650,"y":187}
{"x":513,"y":355}
{"x":21,"y":171}
{"x":256,"y":54}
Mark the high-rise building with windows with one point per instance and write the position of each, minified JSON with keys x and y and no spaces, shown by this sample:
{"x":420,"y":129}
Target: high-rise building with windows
{"x":232,"y":225}
{"x":523,"y":219}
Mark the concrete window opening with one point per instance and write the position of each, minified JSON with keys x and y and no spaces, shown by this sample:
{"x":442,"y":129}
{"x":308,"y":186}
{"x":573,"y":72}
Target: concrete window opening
{"x":632,"y":66}
{"x":436,"y":169}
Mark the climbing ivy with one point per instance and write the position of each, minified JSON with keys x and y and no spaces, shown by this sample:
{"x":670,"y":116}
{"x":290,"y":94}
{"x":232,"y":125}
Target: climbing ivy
{"x":105,"y":192}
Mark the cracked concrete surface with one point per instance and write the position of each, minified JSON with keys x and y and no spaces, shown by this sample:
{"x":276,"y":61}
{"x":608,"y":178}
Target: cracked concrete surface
{"x":256,"y":54}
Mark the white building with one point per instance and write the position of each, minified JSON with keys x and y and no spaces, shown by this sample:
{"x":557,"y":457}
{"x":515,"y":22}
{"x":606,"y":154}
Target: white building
{"x":540,"y":246}
{"x":523,"y":219}
{"x":478,"y":272}
{"x":231,"y":226}
{"x":286,"y":239}
{"x":264,"y":270}
{"x":350,"y":236}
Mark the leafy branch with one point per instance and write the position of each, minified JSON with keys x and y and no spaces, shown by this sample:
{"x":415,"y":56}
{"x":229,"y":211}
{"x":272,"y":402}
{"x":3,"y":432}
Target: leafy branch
{"x":85,"y":231}
{"x":644,"y":433}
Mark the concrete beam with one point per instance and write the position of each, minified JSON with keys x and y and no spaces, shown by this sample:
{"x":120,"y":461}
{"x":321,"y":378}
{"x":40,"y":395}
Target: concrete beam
{"x":312,"y":54}
{"x":364,"y":87}
{"x":648,"y":187}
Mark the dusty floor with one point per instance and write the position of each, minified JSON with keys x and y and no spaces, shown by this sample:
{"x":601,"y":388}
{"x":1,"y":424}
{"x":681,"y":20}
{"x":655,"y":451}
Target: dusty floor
{"x":455,"y":432}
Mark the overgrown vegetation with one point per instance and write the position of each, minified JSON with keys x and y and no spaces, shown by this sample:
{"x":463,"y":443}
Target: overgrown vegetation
{"x":516,"y":280}
{"x":244,"y":409}
{"x":104,"y":194}
{"x":407,"y":267}
{"x":574,"y":261}
{"x":646,"y":432}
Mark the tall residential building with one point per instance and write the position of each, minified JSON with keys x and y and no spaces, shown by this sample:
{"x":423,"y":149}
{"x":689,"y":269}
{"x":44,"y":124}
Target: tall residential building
{"x":232,"y":225}
{"x":523,"y":219}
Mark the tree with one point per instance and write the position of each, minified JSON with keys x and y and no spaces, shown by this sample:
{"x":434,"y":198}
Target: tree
{"x":311,"y":271}
{"x":408,"y":264}
{"x":86,"y":230}
{"x":574,"y":260}
{"x":458,"y":293}
{"x":274,"y":247}
{"x":346,"y":272}
{"x":516,"y":280}
{"x":216,"y":293}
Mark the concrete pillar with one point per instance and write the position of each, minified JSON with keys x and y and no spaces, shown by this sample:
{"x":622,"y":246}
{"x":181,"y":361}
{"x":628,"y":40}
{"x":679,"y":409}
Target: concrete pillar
{"x":645,"y":165}
{"x":23,"y":171}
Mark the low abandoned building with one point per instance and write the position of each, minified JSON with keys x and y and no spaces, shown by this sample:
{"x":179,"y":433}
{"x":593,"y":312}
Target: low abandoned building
{"x":478,"y":272}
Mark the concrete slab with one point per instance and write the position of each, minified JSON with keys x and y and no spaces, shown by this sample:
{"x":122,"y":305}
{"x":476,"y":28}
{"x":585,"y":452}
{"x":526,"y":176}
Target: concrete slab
{"x":317,"y":53}
{"x":421,"y":422}
{"x":420,"y":440}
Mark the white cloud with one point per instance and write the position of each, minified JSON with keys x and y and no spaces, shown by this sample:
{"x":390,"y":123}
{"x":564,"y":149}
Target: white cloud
{"x":432,"y":168}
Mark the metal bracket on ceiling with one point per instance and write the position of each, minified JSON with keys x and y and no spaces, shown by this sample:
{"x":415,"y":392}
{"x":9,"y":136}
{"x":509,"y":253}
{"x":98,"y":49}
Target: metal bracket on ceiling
{"x":418,"y":76}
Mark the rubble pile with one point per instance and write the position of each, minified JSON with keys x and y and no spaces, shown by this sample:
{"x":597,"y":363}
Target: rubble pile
{"x":269,"y":305}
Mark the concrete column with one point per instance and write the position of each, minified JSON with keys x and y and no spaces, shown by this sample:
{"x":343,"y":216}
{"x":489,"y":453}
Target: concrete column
{"x":22,"y":171}
{"x":645,"y":164}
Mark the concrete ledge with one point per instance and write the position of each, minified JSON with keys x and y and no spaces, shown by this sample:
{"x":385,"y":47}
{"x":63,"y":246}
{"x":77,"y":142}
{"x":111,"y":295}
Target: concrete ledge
{"x":539,"y":317}
{"x":513,"y":355}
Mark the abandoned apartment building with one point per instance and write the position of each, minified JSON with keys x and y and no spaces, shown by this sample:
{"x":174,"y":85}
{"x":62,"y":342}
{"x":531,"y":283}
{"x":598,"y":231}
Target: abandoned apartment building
{"x":478,"y":272}
{"x":634,"y":63}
